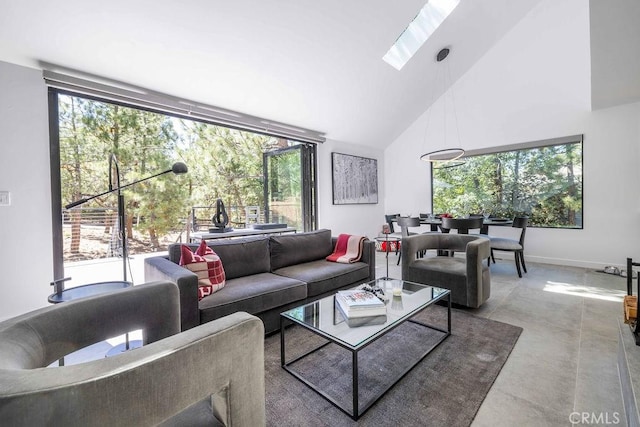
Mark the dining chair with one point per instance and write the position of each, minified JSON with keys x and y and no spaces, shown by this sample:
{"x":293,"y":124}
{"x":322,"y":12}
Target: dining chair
{"x":462,"y":225}
{"x":389,"y":220}
{"x":405,"y":223}
{"x":512,"y":245}
{"x":485,"y":228}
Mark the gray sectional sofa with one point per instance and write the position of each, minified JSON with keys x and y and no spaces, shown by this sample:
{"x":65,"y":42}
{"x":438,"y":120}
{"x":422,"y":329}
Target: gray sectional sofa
{"x":265,"y":276}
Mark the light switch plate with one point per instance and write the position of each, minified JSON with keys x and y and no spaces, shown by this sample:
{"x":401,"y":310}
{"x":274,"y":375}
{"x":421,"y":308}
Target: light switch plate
{"x":5,"y":198}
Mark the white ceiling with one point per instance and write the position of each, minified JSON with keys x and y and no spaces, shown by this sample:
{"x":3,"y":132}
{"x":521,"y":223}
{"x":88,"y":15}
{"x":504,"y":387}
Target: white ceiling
{"x":308,"y":63}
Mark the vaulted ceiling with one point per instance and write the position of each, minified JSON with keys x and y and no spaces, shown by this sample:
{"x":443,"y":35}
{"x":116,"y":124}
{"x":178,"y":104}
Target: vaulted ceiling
{"x":308,"y":63}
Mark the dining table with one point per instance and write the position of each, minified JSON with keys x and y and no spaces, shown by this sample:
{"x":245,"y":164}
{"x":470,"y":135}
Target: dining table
{"x":436,"y":222}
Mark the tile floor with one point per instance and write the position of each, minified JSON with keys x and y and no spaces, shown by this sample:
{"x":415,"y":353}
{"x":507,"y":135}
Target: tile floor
{"x":565,"y":361}
{"x":566,"y":358}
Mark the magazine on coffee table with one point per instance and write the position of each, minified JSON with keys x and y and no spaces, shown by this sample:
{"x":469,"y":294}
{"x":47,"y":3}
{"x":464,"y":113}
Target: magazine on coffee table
{"x":352,"y":322}
{"x":360,"y":303}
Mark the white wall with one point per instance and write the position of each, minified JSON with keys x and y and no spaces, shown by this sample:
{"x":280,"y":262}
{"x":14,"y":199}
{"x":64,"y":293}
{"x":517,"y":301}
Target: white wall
{"x":26,"y":254}
{"x":364,"y":220}
{"x":615,"y":65}
{"x":535,"y":84}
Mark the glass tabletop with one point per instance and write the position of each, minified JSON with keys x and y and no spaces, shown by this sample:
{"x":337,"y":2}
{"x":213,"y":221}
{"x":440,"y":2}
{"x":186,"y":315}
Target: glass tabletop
{"x":326,"y":319}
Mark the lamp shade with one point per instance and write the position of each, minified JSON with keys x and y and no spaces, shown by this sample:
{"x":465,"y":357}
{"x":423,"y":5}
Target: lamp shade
{"x":179,"y":168}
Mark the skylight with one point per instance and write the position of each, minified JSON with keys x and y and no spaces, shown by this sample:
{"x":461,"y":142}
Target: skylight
{"x":419,"y":30}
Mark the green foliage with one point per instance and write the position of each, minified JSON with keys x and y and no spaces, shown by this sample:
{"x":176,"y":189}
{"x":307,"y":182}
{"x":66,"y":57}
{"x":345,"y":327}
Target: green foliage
{"x":227,"y":164}
{"x":543,"y":183}
{"x":223,"y":163}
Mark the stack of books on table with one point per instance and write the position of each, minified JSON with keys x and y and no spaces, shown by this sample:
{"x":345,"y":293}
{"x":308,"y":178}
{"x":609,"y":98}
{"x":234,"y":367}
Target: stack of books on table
{"x":359,"y":307}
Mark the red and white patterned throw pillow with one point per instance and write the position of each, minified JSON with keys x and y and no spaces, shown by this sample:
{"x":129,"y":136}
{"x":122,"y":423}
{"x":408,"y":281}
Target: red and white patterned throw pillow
{"x":206,"y":264}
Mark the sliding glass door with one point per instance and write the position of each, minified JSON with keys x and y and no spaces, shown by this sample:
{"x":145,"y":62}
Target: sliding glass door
{"x":247,"y":170}
{"x":289,"y":186}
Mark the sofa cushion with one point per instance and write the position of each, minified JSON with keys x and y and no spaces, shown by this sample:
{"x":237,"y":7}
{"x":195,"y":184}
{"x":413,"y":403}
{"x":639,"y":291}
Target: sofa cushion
{"x":322,"y":276}
{"x":298,"y":248}
{"x":240,"y":257}
{"x":253,"y":294}
{"x":243,"y":257}
{"x":444,"y":272}
{"x":442,"y":266}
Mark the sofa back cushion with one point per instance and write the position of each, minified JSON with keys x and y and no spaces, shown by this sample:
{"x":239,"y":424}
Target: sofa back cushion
{"x":297,"y":248}
{"x":240,"y":257}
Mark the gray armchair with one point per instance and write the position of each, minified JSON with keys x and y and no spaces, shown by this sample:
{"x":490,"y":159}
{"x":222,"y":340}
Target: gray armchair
{"x":464,"y":275}
{"x":218,"y":366}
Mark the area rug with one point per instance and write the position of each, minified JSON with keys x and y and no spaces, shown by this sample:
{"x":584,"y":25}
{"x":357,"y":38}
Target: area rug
{"x":445,"y":389}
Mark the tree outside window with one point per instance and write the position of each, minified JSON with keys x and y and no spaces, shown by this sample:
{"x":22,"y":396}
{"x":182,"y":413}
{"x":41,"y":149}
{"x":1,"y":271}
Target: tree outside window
{"x":223,"y":163}
{"x":543,"y":183}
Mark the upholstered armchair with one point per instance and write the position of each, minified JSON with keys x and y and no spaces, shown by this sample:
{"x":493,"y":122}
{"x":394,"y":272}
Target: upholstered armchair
{"x":211,"y":374}
{"x":464,"y":275}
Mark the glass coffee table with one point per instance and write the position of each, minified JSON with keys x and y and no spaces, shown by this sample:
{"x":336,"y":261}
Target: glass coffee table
{"x":324,"y":319}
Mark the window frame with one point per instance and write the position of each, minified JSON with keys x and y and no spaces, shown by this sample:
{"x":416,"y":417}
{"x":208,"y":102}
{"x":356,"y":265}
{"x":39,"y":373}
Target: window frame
{"x":572,"y":139}
{"x":54,"y":155}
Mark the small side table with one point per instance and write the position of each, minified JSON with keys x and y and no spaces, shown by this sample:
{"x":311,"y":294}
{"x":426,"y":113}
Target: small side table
{"x":89,"y":290}
{"x":386,"y":239}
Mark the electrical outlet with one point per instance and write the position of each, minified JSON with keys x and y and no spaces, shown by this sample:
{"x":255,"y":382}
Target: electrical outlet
{"x":5,"y":198}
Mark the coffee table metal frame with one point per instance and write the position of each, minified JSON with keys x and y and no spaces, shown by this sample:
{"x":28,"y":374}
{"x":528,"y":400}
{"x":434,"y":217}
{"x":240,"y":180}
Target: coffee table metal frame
{"x":355,"y":413}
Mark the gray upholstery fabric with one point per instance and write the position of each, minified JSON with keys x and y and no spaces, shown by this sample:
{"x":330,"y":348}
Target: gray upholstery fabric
{"x":160,"y":268}
{"x":259,"y":293}
{"x":467,"y":278}
{"x":243,"y":257}
{"x":298,"y":248}
{"x":322,"y":276}
{"x":500,"y":243}
{"x":253,"y":294}
{"x":240,"y":257}
{"x":39,"y":338}
{"x":141,"y":387}
{"x":197,"y":415}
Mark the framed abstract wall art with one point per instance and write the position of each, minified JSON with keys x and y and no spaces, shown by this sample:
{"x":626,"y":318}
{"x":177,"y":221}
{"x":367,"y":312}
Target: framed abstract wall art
{"x":355,"y":179}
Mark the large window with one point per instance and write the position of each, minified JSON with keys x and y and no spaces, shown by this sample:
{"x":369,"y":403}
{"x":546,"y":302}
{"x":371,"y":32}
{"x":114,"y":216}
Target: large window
{"x":224,"y":163}
{"x":541,"y":180}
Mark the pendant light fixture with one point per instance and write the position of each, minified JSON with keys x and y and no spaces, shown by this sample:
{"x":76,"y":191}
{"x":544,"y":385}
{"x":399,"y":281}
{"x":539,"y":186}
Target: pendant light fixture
{"x":445,"y":157}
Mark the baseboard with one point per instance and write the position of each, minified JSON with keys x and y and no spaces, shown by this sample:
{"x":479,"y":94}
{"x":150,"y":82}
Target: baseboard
{"x":566,"y":262}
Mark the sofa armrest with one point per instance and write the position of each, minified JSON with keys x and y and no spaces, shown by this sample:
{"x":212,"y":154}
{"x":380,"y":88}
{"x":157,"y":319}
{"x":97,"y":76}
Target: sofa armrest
{"x":368,"y":255}
{"x":160,"y":268}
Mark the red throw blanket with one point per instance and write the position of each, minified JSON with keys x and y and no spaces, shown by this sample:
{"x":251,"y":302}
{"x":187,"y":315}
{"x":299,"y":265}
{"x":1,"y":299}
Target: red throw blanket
{"x":348,"y":249}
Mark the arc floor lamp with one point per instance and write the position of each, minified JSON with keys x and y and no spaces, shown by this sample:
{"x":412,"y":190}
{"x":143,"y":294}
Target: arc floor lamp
{"x":115,"y":186}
